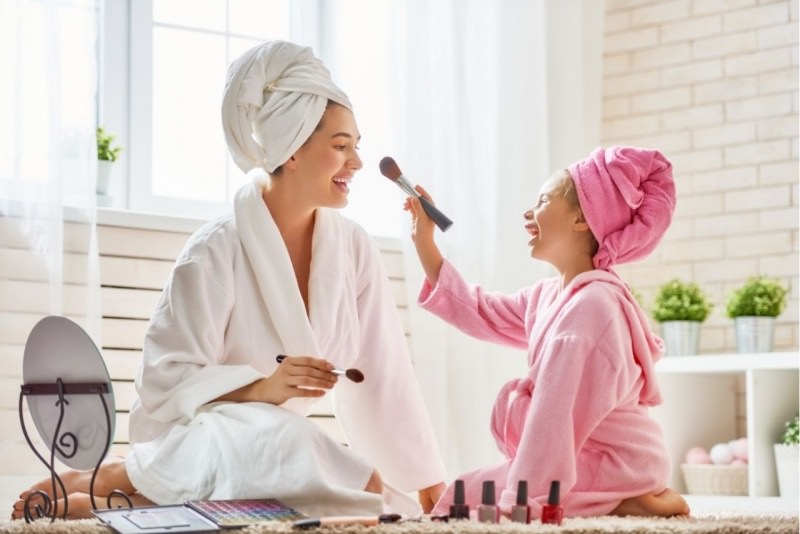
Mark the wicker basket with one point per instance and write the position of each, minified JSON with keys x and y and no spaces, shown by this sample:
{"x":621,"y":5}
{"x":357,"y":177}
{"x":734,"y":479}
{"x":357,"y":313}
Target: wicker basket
{"x":707,"y":479}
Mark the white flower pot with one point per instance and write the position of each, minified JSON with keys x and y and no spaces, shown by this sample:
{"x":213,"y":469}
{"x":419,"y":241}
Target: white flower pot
{"x":681,"y":338}
{"x":787,"y":464}
{"x":103,"y":176}
{"x":754,"y":334}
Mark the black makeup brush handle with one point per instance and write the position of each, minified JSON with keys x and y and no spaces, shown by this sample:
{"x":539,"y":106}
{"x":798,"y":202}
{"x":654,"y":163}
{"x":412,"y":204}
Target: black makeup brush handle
{"x":433,"y":212}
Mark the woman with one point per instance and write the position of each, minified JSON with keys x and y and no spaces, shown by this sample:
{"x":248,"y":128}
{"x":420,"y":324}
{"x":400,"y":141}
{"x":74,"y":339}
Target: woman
{"x":580,"y":414}
{"x":217,"y":416}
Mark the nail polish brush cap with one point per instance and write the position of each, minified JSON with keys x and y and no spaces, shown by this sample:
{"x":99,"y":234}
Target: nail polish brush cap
{"x":459,"y":509}
{"x":522,"y":493}
{"x":488,"y":496}
{"x":555,"y":493}
{"x":458,"y":497}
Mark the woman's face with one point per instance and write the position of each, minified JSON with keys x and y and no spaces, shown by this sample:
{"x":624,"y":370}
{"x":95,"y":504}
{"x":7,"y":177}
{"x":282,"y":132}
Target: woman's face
{"x":326,"y":163}
{"x":551,"y":223}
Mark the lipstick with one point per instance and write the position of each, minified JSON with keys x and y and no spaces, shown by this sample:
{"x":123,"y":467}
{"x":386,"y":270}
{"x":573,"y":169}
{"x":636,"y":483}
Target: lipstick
{"x":459,"y":509}
{"x":488,"y":512}
{"x":521,"y":512}
{"x":552,"y":512}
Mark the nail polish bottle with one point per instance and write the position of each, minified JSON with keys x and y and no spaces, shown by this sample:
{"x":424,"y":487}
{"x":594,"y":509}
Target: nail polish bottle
{"x":488,"y":512}
{"x":521,"y":512}
{"x":459,"y":509}
{"x":552,"y":512}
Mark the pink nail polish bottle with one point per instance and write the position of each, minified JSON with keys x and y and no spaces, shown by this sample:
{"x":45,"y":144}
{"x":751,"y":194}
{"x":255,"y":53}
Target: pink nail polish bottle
{"x":488,"y":512}
{"x":521,"y":512}
{"x":552,"y":512}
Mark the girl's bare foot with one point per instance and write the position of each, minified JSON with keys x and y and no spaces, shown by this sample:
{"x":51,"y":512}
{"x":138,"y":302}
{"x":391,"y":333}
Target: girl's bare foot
{"x":668,"y":503}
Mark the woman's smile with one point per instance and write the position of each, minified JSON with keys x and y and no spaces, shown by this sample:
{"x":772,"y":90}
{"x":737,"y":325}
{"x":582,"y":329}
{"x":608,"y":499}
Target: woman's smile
{"x":343,"y":183}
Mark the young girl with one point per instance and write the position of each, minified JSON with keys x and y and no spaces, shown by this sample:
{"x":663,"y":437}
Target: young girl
{"x":217,"y":416}
{"x":580,"y":415}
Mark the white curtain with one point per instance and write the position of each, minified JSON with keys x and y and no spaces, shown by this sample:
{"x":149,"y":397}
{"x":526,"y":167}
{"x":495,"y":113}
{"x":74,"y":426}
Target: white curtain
{"x":492,"y":98}
{"x":48,"y":60}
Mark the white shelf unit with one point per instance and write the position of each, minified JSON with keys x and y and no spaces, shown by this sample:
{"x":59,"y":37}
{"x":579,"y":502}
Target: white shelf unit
{"x":701,"y":407}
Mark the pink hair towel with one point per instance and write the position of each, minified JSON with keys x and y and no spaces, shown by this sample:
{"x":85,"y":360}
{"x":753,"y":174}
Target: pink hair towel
{"x":627,"y":196}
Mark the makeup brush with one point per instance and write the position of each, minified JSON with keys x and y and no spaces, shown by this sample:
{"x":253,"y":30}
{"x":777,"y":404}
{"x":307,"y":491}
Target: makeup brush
{"x":390,"y":170}
{"x":353,"y":374}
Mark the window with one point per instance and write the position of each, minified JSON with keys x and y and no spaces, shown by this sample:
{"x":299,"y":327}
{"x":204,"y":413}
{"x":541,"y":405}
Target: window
{"x":180,"y":51}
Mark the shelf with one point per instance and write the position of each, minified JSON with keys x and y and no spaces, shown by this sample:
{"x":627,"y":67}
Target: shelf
{"x":714,"y":398}
{"x":728,"y":363}
{"x":701,"y":504}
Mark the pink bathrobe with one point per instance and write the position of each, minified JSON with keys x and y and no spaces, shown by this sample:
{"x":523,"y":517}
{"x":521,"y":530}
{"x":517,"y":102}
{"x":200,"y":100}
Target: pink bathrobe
{"x":581,"y":414}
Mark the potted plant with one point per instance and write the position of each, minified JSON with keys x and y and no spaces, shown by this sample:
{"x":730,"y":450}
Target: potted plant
{"x":787,"y":458}
{"x":107,"y":153}
{"x":754,"y":307}
{"x":680,"y":307}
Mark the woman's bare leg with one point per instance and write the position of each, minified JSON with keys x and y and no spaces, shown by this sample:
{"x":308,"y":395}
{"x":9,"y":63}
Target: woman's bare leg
{"x":668,"y":503}
{"x":111,"y":476}
{"x":375,"y":483}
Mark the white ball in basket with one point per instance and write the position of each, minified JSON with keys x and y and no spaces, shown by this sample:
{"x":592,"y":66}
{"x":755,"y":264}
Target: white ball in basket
{"x":739,"y":448}
{"x":697,"y":455}
{"x":721,"y":454}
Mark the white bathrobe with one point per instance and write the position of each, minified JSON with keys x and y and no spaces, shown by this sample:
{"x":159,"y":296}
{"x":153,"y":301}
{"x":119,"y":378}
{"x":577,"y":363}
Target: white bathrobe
{"x":231,"y":305}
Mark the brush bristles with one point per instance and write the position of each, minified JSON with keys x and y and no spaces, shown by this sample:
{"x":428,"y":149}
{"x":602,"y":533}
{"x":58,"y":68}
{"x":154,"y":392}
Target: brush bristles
{"x":389,"y":168}
{"x":355,"y":375}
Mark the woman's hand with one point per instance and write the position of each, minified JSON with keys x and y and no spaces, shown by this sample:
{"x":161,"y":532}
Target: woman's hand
{"x":428,"y":497}
{"x":298,"y":376}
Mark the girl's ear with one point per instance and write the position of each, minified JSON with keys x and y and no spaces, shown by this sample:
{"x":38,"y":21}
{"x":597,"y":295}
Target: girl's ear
{"x":580,"y":224}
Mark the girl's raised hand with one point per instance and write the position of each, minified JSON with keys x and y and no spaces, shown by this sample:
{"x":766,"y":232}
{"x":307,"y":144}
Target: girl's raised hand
{"x":422,"y":226}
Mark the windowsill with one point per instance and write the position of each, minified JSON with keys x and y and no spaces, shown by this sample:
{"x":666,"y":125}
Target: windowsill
{"x":167,"y":223}
{"x":147,"y":221}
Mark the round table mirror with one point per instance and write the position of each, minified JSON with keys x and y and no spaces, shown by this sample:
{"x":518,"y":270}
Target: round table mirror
{"x":58,"y":348}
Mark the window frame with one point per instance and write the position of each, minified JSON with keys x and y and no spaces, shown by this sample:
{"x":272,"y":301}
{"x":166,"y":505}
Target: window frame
{"x":125,"y":99}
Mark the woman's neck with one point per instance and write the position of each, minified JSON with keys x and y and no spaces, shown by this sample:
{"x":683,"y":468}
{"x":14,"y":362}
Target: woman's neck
{"x":293,"y":220}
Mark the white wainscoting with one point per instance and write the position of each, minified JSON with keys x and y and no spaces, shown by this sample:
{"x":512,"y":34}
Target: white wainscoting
{"x":135,"y":260}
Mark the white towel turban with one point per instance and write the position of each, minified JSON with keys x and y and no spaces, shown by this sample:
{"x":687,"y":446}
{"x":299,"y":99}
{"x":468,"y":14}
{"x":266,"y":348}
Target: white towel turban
{"x":275,"y":96}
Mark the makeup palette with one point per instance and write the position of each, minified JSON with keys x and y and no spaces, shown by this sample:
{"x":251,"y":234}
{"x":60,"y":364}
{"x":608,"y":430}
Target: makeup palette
{"x":244,"y":512}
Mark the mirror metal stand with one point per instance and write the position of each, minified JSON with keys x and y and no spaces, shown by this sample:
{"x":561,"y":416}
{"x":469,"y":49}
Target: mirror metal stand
{"x":66,"y":444}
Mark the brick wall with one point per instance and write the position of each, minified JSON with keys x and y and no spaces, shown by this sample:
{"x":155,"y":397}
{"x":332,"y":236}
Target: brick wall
{"x":713,"y":84}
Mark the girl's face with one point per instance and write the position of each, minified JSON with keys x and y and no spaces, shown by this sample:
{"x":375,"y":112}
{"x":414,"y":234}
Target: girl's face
{"x":326,"y":163}
{"x":552,"y":224}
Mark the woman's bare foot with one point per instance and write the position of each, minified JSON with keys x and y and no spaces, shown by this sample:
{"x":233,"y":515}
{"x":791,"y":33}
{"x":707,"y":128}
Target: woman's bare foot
{"x":668,"y":503}
{"x":111,"y":476}
{"x":80,"y":505}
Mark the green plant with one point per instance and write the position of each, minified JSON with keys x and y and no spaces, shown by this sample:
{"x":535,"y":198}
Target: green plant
{"x":681,"y":301}
{"x":791,"y":434}
{"x":759,"y":297}
{"x":105,"y":151}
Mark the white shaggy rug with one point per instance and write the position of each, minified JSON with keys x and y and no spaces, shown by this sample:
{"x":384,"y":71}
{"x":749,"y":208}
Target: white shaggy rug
{"x":707,"y":523}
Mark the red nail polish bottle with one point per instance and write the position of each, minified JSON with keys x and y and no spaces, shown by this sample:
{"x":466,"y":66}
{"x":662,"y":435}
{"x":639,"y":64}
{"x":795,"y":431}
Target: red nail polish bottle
{"x":552,"y":512}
